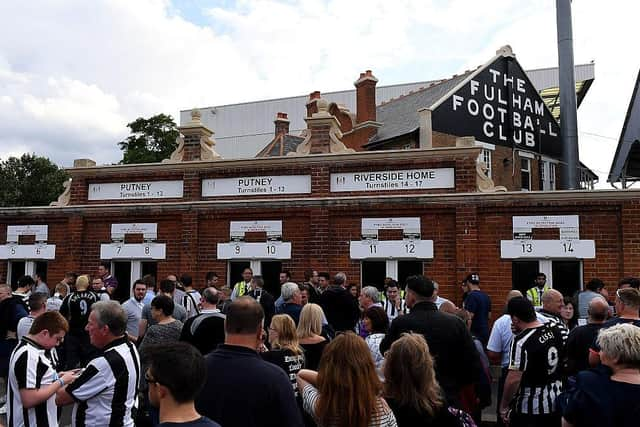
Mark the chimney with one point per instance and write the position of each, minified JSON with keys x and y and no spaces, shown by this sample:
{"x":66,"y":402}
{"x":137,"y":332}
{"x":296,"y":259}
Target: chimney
{"x":366,"y":97}
{"x":196,"y":142}
{"x":282,"y":124}
{"x":311,"y":104}
{"x":323,"y":130}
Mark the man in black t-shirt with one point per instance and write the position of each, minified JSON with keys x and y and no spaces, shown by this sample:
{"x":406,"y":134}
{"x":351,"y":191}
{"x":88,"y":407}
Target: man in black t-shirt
{"x":76,"y":308}
{"x":533,"y":381}
{"x":581,"y":338}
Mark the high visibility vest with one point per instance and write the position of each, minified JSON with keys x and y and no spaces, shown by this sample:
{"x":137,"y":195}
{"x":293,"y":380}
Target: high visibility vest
{"x":535,"y":296}
{"x":383,"y":296}
{"x":240,"y":288}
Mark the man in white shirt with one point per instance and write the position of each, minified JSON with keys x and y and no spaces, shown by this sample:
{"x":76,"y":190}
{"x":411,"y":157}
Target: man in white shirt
{"x":191,"y":298}
{"x":439,"y":299}
{"x":133,"y":307}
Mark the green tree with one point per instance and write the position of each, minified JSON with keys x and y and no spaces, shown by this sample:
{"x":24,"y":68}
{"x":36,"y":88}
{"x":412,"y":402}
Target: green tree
{"x":152,"y":140}
{"x":30,"y":181}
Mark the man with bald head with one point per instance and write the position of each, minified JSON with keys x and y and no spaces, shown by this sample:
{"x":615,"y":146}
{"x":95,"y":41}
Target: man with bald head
{"x":552,"y":304}
{"x":581,"y":338}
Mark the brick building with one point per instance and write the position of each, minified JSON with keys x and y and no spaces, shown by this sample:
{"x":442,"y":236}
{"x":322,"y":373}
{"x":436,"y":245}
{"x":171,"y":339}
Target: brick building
{"x":342,"y":197}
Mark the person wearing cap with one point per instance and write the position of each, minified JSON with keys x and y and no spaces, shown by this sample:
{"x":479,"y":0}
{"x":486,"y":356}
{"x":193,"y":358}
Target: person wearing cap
{"x":478,"y":305}
{"x":449,"y":340}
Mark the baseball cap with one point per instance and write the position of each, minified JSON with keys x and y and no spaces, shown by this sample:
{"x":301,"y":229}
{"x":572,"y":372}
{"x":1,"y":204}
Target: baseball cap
{"x":473,"y":278}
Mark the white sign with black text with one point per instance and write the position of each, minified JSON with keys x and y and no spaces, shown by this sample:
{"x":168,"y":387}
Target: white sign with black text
{"x":254,"y":250}
{"x":541,"y":249}
{"x":569,"y":225}
{"x":257,"y":185}
{"x":146,"y":250}
{"x":389,"y":249}
{"x":41,"y":232}
{"x":409,"y":179}
{"x":149,"y":230}
{"x":136,"y":190}
{"x":33,"y":252}
{"x":409,"y":226}
{"x":237,"y":229}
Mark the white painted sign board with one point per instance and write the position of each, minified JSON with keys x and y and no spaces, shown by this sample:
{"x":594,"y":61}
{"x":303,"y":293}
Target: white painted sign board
{"x":406,"y":249}
{"x":149,"y":230}
{"x":133,"y":251}
{"x":41,"y":232}
{"x":31,"y":252}
{"x":545,"y":221}
{"x":257,"y":185}
{"x":409,"y":225}
{"x":569,"y":225}
{"x":136,"y":190}
{"x":540,"y":249}
{"x":237,"y":229}
{"x":258,"y":250}
{"x":408,"y":179}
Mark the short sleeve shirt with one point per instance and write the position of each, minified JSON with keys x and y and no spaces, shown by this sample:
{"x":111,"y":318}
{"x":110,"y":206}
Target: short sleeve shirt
{"x":478,"y":303}
{"x":501,"y":337}
{"x":106,"y":392}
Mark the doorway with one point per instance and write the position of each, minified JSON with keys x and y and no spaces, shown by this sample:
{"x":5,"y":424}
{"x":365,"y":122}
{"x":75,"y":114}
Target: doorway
{"x":564,"y":275}
{"x":19,"y":268}
{"x":127,"y":272}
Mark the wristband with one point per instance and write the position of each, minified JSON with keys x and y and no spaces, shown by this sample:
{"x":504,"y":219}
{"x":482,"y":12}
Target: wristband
{"x":61,"y":382}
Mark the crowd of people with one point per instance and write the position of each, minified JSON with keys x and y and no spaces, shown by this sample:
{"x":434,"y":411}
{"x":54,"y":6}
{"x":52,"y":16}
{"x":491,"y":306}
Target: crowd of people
{"x":322,"y":353}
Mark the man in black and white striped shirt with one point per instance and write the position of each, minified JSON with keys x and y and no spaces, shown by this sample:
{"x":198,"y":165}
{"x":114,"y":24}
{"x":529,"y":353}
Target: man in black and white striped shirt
{"x":394,"y":304}
{"x":106,"y":392}
{"x":533,"y":381}
{"x":33,"y":381}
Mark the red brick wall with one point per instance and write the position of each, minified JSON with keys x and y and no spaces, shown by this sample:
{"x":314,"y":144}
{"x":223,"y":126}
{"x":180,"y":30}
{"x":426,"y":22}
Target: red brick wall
{"x":466,"y":229}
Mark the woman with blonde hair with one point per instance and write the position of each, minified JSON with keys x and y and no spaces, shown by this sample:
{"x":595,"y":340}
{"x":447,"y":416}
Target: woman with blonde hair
{"x":410,"y":387}
{"x":310,"y":334}
{"x":346,"y":391}
{"x":285,"y":350}
{"x":608,"y":395}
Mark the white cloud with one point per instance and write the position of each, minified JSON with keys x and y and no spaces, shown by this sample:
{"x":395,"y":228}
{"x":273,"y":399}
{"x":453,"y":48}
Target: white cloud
{"x":73,"y":73}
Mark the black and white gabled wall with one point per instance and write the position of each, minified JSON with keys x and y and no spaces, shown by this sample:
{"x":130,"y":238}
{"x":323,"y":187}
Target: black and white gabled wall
{"x":498,"y":104}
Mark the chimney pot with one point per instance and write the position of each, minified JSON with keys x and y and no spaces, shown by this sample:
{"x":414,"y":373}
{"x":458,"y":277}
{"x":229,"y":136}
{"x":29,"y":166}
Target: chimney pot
{"x":314,"y":95}
{"x":366,"y":97}
{"x":281,"y":124}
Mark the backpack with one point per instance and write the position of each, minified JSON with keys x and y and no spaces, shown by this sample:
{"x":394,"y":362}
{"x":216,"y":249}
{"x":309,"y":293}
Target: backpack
{"x":189,"y":306}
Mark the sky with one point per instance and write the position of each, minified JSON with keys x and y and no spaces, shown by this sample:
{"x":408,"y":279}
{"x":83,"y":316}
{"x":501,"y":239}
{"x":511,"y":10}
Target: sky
{"x":73,"y":73}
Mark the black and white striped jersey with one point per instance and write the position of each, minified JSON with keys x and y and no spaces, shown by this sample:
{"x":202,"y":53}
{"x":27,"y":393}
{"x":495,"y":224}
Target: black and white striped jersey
{"x":106,"y":392}
{"x":557,"y":322}
{"x":30,"y":368}
{"x":537,"y":353}
{"x":76,"y":308}
{"x":393,"y":311}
